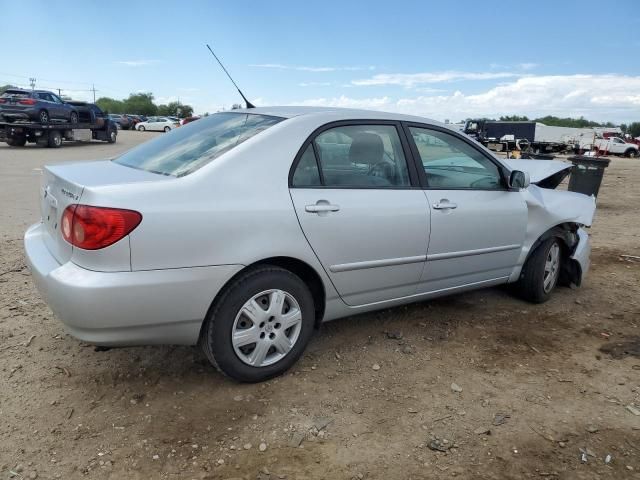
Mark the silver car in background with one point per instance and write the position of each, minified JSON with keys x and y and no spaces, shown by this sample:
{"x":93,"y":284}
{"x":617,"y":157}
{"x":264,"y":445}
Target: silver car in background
{"x":242,"y":232}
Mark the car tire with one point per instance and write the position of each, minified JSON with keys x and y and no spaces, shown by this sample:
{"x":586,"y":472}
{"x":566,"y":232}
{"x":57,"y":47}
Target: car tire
{"x":17,"y":141}
{"x":55,"y":139}
{"x":112,"y":135}
{"x":166,"y":129}
{"x":277,"y":346}
{"x":43,"y":117}
{"x":73,"y":118}
{"x":141,"y":128}
{"x":631,"y":153}
{"x":541,"y":272}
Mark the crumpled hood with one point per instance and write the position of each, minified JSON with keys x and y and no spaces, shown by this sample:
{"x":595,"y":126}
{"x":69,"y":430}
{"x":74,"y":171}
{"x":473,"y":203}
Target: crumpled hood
{"x":538,"y":170}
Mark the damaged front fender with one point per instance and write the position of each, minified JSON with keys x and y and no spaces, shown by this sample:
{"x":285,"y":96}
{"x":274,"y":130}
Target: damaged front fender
{"x":552,"y":209}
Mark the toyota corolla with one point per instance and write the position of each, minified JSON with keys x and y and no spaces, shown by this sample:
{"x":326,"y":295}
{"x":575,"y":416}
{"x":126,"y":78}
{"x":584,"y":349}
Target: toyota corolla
{"x":245,"y":230}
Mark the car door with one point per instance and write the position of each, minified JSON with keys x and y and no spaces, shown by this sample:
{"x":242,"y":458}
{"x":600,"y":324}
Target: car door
{"x":478,"y":225}
{"x":361,"y":209}
{"x":62,"y":110}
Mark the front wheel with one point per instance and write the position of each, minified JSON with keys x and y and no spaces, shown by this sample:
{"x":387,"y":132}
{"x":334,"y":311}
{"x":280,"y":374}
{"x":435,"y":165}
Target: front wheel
{"x":141,"y":128}
{"x":541,"y":272}
{"x":631,"y":153}
{"x":113,"y":135}
{"x":166,"y":129}
{"x":260,"y":326}
{"x":74,"y":117}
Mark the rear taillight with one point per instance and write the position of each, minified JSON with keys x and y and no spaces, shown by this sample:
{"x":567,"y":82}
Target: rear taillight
{"x":27,"y":101}
{"x":92,"y":228}
{"x":3,"y":100}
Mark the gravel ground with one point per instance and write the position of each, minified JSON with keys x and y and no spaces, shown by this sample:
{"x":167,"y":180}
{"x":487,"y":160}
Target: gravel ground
{"x":479,"y":385}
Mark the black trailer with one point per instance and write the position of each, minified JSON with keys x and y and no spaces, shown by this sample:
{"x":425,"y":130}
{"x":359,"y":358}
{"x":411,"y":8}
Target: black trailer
{"x":506,"y":136}
{"x":93,"y":125}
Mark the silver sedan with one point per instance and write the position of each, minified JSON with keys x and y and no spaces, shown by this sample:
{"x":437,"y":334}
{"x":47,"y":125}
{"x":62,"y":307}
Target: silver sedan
{"x":244,"y":231}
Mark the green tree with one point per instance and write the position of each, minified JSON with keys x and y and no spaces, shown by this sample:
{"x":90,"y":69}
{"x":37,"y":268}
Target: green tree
{"x":624,"y":127}
{"x":140,"y":104}
{"x":110,"y":105}
{"x":514,"y":118}
{"x":175,"y":109}
{"x":634,"y":129}
{"x":4,"y":88}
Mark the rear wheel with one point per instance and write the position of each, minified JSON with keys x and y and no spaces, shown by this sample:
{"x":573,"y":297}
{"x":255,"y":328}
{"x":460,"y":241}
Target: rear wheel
{"x":541,"y":272}
{"x":260,"y":325}
{"x":112,"y":135}
{"x":43,"y":117}
{"x":73,"y":117}
{"x":55,"y":139}
{"x":17,"y":141}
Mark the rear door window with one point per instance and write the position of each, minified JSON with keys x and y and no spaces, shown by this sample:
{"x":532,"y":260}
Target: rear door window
{"x":188,"y":149}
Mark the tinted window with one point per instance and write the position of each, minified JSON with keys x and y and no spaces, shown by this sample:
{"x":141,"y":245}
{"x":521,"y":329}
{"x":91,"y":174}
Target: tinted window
{"x":15,"y":93}
{"x":187,"y":149}
{"x":307,"y":174}
{"x":362,"y":156}
{"x":450,"y":162}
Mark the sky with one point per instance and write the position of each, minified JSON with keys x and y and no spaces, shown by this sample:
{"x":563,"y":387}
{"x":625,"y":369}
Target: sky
{"x":446,"y":60}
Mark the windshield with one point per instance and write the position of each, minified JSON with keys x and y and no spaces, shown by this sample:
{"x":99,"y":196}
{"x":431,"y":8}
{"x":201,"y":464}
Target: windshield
{"x":188,"y":148}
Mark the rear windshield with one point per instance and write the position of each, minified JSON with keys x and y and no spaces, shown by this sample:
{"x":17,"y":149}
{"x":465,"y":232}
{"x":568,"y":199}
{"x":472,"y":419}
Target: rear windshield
{"x":188,"y":148}
{"x":15,"y":93}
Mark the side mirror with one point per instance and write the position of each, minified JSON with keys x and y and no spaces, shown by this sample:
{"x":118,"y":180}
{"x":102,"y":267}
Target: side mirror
{"x":519,"y":179}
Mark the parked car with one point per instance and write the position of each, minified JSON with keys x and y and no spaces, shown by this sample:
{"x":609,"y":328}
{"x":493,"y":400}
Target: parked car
{"x":36,"y":105}
{"x":246,"y":230}
{"x":157,"y":124}
{"x":187,"y":120}
{"x":121,"y":120}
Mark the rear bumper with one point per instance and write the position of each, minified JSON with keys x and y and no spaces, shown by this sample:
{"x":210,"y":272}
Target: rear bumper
{"x":19,"y":114}
{"x":125,"y":308}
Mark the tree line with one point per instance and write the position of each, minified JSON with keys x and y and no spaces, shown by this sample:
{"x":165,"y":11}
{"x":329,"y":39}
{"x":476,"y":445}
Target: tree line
{"x":143,"y":104}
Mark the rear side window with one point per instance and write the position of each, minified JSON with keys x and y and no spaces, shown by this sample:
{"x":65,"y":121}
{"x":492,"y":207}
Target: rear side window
{"x":187,"y":149}
{"x":354,"y":156}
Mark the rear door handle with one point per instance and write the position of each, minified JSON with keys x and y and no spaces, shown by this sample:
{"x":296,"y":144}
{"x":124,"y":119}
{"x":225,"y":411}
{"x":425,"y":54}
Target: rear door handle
{"x":321,"y":208}
{"x":445,"y":205}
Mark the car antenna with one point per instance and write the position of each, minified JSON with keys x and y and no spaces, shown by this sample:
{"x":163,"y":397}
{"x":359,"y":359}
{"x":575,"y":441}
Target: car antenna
{"x":249,"y":104}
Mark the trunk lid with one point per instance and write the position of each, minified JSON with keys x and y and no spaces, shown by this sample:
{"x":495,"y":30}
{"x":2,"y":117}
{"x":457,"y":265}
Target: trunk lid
{"x":63,"y":185}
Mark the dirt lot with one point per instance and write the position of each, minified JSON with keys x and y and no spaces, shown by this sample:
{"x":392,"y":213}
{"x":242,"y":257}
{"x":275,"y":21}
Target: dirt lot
{"x":506,"y":389}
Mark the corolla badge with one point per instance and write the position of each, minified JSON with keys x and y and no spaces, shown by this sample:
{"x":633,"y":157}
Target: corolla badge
{"x":69,"y":194}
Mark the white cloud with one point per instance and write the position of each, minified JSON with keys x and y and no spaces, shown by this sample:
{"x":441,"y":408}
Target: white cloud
{"x":597,"y":97}
{"x":412,"y":79}
{"x":137,"y":63}
{"x":304,"y":68}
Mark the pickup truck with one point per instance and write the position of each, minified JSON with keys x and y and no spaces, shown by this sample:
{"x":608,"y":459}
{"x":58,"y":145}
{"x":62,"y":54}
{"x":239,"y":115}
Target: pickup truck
{"x":617,"y":146}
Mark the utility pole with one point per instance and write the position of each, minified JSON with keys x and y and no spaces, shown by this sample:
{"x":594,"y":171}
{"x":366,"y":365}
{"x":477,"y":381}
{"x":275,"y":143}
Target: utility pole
{"x":93,"y":89}
{"x":59,"y":94}
{"x":32,"y":82}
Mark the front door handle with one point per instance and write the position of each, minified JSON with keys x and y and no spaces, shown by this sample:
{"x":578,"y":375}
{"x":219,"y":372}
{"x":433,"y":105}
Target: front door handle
{"x":322,"y":206}
{"x":445,"y":204}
